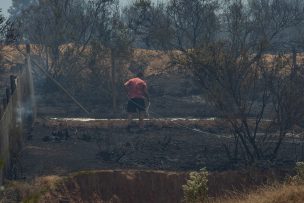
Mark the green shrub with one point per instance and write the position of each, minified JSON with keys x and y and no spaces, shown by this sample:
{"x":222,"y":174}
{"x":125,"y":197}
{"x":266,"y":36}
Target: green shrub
{"x":299,"y":177}
{"x":1,"y":164}
{"x":300,"y":170}
{"x":196,"y":188}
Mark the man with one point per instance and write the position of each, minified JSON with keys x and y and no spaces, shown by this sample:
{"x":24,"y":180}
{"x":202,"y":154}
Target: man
{"x":137,"y":94}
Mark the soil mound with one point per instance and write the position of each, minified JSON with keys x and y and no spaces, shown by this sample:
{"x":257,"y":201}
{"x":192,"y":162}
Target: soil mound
{"x":119,"y":186}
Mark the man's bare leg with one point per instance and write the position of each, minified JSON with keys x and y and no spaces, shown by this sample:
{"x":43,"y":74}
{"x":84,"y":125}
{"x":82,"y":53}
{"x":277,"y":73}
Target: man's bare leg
{"x":130,"y":116}
{"x":141,"y":120}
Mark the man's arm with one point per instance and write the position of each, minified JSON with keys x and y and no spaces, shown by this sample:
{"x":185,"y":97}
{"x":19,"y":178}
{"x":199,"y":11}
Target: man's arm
{"x":126,"y":85}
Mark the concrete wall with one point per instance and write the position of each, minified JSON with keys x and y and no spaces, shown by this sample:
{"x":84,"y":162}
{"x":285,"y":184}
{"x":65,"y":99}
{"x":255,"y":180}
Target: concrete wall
{"x":17,"y":113}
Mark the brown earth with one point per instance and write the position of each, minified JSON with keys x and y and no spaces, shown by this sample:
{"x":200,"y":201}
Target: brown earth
{"x":120,"y":186}
{"x":130,"y":186}
{"x":146,"y":186}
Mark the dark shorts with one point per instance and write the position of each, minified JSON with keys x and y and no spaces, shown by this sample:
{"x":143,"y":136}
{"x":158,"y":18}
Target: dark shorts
{"x":136,"y":105}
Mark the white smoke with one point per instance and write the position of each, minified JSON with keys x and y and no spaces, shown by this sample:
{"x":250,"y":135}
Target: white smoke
{"x":24,"y":110}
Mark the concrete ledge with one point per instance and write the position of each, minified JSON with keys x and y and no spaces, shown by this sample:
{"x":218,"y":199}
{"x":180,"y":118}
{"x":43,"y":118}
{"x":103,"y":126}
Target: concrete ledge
{"x":121,"y":123}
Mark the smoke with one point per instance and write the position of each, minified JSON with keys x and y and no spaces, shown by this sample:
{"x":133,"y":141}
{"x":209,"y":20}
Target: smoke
{"x":24,"y":111}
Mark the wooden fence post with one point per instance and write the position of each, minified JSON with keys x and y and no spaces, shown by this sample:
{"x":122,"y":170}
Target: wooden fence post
{"x":113,"y":81}
{"x":8,"y":94}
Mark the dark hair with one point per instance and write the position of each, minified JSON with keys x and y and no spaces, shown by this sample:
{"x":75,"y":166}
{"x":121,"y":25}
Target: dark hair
{"x":140,"y":74}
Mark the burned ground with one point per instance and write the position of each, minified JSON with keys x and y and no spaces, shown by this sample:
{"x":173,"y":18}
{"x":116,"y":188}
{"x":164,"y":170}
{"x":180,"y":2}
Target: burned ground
{"x":49,"y":151}
{"x":165,"y":149}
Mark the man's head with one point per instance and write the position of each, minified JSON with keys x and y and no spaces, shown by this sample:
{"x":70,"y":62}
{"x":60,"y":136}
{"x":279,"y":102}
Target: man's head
{"x":140,"y":75}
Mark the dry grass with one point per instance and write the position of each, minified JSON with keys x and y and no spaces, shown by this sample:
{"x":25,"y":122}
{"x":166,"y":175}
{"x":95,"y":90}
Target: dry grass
{"x":46,"y":189}
{"x":156,"y":61}
{"x":286,"y":193}
{"x":19,"y":191}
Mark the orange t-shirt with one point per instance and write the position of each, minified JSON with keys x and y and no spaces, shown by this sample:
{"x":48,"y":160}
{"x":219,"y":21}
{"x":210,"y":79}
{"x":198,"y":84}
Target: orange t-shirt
{"x":136,"y":88}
